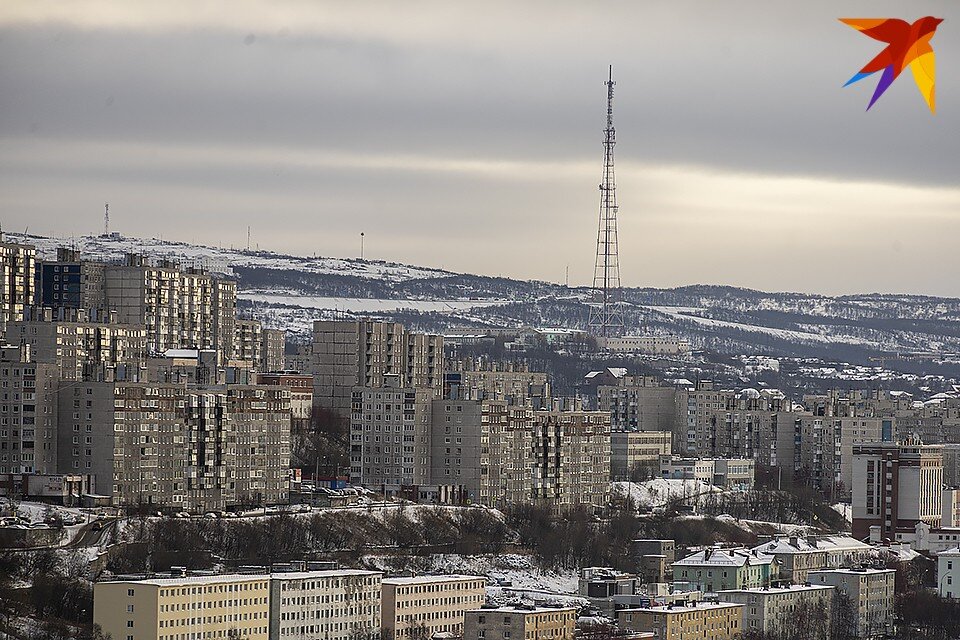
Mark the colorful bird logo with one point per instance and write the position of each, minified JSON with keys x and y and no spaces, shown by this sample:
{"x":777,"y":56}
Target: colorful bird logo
{"x":907,"y":44}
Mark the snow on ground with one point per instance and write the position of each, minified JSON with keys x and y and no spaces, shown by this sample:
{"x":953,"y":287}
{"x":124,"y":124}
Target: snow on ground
{"x":659,"y":491}
{"x":519,"y":570}
{"x":844,"y":509}
{"x":363,"y":305}
{"x":219,"y":259}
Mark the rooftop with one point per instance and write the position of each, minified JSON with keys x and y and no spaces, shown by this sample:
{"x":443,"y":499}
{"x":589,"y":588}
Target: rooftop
{"x":700,"y":606}
{"x":509,"y":608}
{"x":736,"y":557}
{"x":430,"y":579}
{"x":777,"y":590}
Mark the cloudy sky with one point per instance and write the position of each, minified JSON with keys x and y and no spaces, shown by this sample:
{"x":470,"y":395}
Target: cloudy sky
{"x":467,"y":135}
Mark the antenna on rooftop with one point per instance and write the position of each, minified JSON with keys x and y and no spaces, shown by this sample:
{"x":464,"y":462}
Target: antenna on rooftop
{"x":106,"y":218}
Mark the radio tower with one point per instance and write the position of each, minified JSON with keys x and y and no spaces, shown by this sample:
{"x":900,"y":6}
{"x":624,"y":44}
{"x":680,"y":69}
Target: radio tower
{"x":106,"y":219}
{"x":606,"y":310}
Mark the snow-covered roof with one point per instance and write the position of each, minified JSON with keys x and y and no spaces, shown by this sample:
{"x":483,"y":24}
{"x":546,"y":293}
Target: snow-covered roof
{"x":797,"y":544}
{"x":719,"y":557}
{"x":430,"y":579}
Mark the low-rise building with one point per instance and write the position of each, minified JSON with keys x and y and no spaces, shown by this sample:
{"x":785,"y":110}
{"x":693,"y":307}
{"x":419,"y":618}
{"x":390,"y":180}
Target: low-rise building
{"x":722,"y":472}
{"x":518,"y":622}
{"x":864,"y":599}
{"x":338,"y":604}
{"x":701,"y":620}
{"x":421,"y":606}
{"x":799,"y":555}
{"x":948,"y":573}
{"x":773,"y":610}
{"x":219,"y":606}
{"x":719,"y":569}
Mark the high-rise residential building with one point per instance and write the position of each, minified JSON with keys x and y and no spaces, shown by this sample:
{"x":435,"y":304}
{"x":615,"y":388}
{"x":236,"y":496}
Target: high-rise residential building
{"x":777,"y":610}
{"x":826,"y":448}
{"x":28,"y":413}
{"x":84,"y":345}
{"x":179,"y":308}
{"x":390,"y":436}
{"x":71,"y":283}
{"x":272,"y":345}
{"x":338,"y":604}
{"x":194,"y":607}
{"x":571,"y":457}
{"x":372,"y":354}
{"x":17,"y":280}
{"x":520,"y":621}
{"x":301,"y":396}
{"x":639,"y":403}
{"x":459,"y":434}
{"x":760,"y":425}
{"x":422,"y":606}
{"x":895,"y":486}
{"x":864,"y":599}
{"x":632,"y":450}
{"x":179,"y":446}
{"x":248,"y":341}
{"x":702,"y":620}
{"x":508,"y":382}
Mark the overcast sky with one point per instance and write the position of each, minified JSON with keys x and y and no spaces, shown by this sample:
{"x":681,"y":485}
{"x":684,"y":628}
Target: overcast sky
{"x":467,"y":135}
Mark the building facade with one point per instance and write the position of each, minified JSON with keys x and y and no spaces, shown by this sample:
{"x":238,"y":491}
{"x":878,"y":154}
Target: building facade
{"x":777,"y":610}
{"x":709,"y":621}
{"x":340,"y":604}
{"x":422,"y":606}
{"x":514,"y":623}
{"x":864,"y":599}
{"x":28,"y":413}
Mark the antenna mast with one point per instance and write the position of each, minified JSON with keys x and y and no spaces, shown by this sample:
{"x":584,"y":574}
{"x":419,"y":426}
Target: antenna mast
{"x":106,"y":218}
{"x":606,"y":310}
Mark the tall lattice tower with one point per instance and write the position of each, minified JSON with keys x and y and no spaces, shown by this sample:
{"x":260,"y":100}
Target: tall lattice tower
{"x":606,"y":309}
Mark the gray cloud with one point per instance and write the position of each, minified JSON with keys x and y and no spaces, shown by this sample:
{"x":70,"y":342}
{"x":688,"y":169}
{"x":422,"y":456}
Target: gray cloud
{"x":468,"y":136}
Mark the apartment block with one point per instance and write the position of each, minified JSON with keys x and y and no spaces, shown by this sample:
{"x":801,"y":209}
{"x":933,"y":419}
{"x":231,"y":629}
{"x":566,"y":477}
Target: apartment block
{"x":867,"y":595}
{"x":826,"y":450}
{"x":178,"y":307}
{"x":390,"y":436}
{"x":702,"y":620}
{"x":339,"y":604}
{"x":507,"y":382}
{"x":777,"y":610}
{"x":798,"y":556}
{"x":28,"y":413}
{"x":83,"y":345}
{"x":272,"y":345}
{"x":221,"y":606}
{"x":895,"y":486}
{"x":719,"y":569}
{"x":571,"y":457}
{"x":301,"y":395}
{"x":179,"y":446}
{"x":370,"y":354}
{"x":649,"y":344}
{"x":631,"y":450}
{"x":459,"y":435}
{"x":422,"y":606}
{"x":638,"y":403}
{"x":71,"y":283}
{"x":17,"y":280}
{"x":521,"y":621}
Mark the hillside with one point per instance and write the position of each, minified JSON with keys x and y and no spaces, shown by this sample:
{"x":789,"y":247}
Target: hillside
{"x":290,"y":291}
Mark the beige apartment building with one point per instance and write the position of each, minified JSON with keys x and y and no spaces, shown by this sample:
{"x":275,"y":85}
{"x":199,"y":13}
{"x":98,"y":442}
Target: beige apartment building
{"x":340,"y":604}
{"x":180,"y":446}
{"x":17,"y":280}
{"x":632,"y":449}
{"x":774,"y":610}
{"x":189,"y":608}
{"x":28,"y":413}
{"x":870,"y":594}
{"x":422,"y":606}
{"x":520,"y":622}
{"x":639,"y":403}
{"x":83,"y":345}
{"x":704,"y":621}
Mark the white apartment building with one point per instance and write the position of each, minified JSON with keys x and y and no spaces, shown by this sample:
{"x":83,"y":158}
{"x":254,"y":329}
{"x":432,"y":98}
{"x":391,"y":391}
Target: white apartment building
{"x":772,"y":610}
{"x":424,"y":605}
{"x":948,"y":573}
{"x":870,"y":595}
{"x":339,"y":604}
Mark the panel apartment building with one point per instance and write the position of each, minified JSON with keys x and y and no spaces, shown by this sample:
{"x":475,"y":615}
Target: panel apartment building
{"x":28,"y":413}
{"x":177,"y":445}
{"x":422,"y":606}
{"x":17,"y":280}
{"x":337,"y":604}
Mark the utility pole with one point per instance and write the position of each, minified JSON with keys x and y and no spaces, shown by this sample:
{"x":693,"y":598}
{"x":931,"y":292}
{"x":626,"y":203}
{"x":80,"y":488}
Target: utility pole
{"x":606,"y":309}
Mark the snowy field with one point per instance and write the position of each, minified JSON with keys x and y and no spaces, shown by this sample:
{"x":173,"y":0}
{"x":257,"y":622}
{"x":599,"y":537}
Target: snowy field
{"x":659,"y":491}
{"x":363,"y":305}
